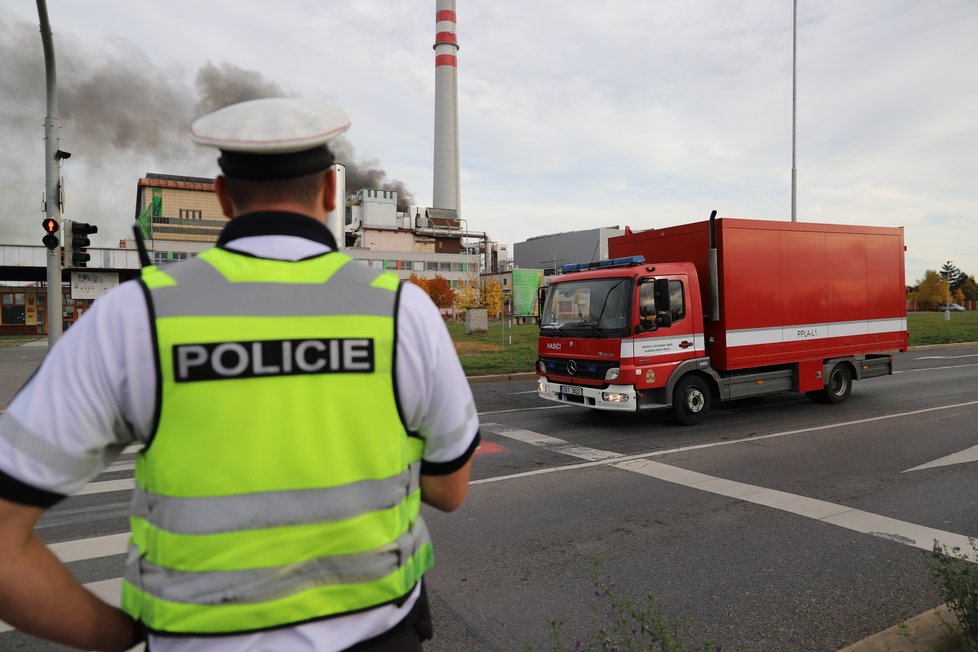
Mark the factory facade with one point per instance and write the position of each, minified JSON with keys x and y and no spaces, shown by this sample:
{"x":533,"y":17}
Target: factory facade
{"x":180,"y":216}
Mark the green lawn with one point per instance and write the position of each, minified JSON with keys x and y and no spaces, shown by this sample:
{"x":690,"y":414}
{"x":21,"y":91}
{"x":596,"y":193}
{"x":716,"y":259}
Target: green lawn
{"x":933,"y":328}
{"x":492,"y":352}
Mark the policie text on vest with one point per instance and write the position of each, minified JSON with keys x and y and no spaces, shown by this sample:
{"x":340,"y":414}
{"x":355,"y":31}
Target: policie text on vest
{"x":233,"y":360}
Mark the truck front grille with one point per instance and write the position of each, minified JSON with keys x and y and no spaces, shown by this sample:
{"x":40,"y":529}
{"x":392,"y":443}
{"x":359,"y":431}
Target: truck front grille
{"x":586,"y":369}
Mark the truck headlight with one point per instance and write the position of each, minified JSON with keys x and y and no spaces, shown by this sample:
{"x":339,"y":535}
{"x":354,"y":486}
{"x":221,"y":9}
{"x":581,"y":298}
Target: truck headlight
{"x":612,"y":374}
{"x":542,"y":387}
{"x":614,"y":397}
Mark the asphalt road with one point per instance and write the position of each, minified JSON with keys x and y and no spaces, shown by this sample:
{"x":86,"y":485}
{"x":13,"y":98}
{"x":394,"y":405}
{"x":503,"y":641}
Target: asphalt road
{"x":779,"y":524}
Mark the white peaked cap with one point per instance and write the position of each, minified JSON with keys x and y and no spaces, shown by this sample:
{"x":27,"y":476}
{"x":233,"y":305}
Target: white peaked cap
{"x":272,"y":138}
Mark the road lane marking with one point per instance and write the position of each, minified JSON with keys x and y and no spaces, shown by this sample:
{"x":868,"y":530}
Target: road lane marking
{"x":119,"y":466}
{"x":883,"y":527}
{"x":947,"y":357}
{"x":715,"y":444}
{"x":542,"y":407}
{"x":106,"y":485}
{"x":953,"y":366}
{"x":967,"y":455}
{"x":549,"y":443}
{"x":91,"y":548}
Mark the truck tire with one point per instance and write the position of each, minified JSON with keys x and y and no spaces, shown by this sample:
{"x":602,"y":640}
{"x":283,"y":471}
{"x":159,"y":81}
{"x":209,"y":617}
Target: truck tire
{"x":838,"y":386}
{"x":691,"y":401}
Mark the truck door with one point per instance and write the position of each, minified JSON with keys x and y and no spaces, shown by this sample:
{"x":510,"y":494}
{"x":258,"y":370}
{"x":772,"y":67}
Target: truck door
{"x":667,"y":335}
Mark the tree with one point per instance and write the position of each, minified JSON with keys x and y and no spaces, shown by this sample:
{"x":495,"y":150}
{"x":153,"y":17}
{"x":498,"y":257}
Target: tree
{"x":467,"y":293}
{"x":969,"y":288}
{"x":953,"y":275}
{"x":420,"y":282}
{"x":441,"y":292}
{"x":931,"y":290}
{"x":491,"y":295}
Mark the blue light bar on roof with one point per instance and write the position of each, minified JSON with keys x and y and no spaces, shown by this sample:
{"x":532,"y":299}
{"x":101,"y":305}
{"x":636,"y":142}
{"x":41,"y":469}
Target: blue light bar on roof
{"x":625,"y":261}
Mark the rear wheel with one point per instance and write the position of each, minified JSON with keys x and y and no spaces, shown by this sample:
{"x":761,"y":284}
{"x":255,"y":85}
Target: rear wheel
{"x":691,"y":401}
{"x":837,"y":387}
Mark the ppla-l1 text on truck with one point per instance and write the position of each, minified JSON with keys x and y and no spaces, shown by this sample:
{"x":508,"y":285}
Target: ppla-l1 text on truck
{"x":682,"y":317}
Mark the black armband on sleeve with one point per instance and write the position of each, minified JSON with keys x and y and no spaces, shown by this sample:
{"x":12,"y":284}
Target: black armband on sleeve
{"x":444,"y":468}
{"x":16,"y":491}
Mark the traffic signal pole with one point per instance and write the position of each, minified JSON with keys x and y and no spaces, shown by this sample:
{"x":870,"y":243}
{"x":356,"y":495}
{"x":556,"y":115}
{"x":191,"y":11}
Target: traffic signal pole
{"x":52,"y":168}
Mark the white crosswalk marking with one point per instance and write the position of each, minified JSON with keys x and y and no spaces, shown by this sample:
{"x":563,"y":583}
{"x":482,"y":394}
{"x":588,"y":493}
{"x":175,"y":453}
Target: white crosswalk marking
{"x":93,"y":548}
{"x":104,"y":486}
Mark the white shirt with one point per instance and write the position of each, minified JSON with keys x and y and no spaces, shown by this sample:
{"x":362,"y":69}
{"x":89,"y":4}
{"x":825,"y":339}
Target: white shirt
{"x":102,"y":374}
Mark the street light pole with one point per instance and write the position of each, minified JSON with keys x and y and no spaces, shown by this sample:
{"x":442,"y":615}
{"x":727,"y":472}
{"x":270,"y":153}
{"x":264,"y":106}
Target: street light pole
{"x":555,"y":260}
{"x":52,"y":167}
{"x":794,"y":104}
{"x":947,"y":306}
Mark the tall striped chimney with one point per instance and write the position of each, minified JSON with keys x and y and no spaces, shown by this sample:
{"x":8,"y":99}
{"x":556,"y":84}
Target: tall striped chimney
{"x":446,"y":185}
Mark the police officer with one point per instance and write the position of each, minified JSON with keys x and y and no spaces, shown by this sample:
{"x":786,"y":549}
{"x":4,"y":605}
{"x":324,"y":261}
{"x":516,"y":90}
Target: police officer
{"x":294,"y":407}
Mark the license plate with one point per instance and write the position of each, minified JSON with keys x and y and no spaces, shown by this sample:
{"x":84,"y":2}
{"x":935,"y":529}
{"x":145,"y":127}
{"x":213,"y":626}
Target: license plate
{"x":570,"y":389}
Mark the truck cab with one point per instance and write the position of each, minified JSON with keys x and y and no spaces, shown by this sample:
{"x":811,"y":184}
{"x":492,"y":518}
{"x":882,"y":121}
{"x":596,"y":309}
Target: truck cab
{"x":614,"y":333}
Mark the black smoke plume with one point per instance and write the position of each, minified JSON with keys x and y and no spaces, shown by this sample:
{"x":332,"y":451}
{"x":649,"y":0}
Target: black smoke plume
{"x":122,"y":115}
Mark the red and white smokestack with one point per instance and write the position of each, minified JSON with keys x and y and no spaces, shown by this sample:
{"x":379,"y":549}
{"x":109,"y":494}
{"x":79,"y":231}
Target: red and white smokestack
{"x":446,"y":184}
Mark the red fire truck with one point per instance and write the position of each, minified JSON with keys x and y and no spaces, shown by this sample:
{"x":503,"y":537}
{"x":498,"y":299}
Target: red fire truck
{"x":683,"y":317}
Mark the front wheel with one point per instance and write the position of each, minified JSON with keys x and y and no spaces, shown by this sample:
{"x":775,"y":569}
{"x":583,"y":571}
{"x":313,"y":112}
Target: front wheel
{"x":837,"y":388}
{"x":691,"y":401}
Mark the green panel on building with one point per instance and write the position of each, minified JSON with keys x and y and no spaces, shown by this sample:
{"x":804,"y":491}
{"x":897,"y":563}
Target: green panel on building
{"x":525,"y":284}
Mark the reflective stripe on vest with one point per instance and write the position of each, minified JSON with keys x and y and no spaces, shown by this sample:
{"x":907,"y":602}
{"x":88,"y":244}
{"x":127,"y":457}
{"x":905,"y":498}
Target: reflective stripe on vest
{"x":281,"y":485}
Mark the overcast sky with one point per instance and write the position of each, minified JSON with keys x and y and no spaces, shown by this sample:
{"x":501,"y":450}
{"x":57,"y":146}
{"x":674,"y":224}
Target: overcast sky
{"x":572,"y":115}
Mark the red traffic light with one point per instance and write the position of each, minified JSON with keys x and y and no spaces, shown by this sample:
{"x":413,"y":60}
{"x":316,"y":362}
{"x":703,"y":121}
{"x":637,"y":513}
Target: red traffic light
{"x":50,"y":225}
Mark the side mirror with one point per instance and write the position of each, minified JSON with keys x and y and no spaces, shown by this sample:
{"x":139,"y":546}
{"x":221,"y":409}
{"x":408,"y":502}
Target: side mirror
{"x":663,"y":319}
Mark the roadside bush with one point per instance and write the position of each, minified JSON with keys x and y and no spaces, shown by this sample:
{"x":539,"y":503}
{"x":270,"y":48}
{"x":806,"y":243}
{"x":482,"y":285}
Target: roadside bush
{"x":957,"y":576}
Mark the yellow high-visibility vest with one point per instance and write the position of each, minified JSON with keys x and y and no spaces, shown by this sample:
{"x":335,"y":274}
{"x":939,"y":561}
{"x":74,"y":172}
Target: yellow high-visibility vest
{"x":281,"y":484}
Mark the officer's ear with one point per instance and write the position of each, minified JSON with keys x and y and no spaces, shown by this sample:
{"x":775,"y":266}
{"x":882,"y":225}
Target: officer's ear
{"x":223,"y":196}
{"x":329,"y":190}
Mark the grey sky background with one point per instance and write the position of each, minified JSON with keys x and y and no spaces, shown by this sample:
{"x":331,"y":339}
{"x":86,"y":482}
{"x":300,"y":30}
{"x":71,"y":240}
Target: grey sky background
{"x":572,"y":115}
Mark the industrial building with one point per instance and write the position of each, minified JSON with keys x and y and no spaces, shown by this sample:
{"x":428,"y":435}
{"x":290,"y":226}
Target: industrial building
{"x":551,"y":252}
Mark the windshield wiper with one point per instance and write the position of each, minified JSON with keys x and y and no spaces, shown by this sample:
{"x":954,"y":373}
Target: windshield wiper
{"x":604,"y":305}
{"x":555,"y":327}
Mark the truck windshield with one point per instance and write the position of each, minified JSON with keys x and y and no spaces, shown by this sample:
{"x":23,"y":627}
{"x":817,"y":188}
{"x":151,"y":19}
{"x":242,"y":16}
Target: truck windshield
{"x":591,"y":308}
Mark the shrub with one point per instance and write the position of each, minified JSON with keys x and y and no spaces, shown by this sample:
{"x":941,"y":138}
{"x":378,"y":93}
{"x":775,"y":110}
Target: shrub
{"x":957,"y":576}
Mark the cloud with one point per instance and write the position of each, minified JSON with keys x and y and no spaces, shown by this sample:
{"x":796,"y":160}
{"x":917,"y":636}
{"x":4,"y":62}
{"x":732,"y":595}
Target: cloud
{"x":571,"y":116}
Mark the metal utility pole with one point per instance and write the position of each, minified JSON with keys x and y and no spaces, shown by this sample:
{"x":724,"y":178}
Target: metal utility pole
{"x":52,"y":168}
{"x":794,"y":111}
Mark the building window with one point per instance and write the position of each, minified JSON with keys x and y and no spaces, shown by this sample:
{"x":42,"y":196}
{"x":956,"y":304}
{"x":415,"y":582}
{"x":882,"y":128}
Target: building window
{"x":431,"y":266}
{"x":418,"y":266}
{"x":161,"y":257}
{"x":377,"y":264}
{"x":444,"y":267}
{"x":12,"y":308}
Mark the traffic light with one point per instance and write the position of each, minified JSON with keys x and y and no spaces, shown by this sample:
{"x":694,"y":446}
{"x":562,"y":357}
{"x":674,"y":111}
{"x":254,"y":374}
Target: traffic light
{"x":76,"y":239}
{"x":51,"y":227}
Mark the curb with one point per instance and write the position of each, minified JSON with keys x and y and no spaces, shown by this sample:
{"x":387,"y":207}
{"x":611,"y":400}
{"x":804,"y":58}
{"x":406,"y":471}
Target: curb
{"x":931,"y":630}
{"x":498,"y":378}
